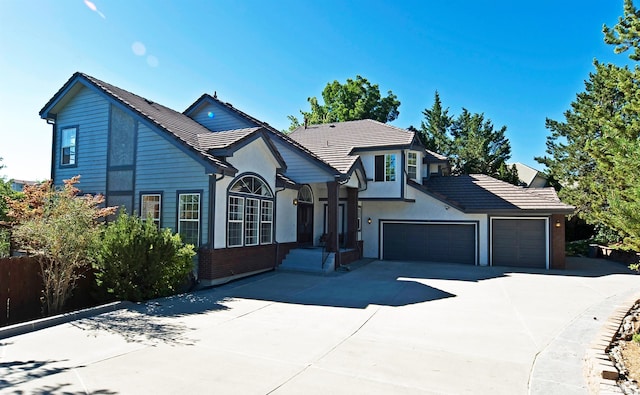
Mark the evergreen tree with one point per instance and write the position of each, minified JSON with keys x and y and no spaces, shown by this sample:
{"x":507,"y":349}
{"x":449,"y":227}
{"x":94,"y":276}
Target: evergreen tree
{"x":593,"y":152}
{"x":435,"y":128}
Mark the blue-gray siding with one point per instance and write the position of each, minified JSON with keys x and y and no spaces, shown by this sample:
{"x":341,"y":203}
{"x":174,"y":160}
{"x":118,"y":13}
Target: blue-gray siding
{"x":90,"y":112}
{"x":162,"y":167}
{"x":223,"y":118}
{"x":301,"y":167}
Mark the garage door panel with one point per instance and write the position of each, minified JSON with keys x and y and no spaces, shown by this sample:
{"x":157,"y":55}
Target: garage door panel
{"x":519,"y":242}
{"x":455,"y":243}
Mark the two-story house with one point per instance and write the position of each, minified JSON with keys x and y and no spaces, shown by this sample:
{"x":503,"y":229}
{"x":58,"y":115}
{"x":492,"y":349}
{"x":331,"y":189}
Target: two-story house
{"x":250,"y":197}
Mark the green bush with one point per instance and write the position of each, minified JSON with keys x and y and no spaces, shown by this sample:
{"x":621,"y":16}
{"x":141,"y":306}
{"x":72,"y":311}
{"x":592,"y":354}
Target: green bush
{"x":636,"y":337}
{"x":138,"y":261}
{"x":5,"y":243}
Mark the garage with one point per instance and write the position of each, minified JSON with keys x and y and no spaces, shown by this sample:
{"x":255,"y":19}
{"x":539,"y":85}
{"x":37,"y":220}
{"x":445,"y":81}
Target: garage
{"x":450,"y":242}
{"x":520,"y":242}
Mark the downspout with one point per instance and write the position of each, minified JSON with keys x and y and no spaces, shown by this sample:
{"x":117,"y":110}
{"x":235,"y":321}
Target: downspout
{"x":212,"y":207}
{"x":54,"y":139}
{"x":275,"y":225}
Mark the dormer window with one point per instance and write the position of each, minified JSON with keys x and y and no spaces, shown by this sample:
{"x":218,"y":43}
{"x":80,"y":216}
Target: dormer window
{"x":385,"y":167}
{"x":412,"y":165}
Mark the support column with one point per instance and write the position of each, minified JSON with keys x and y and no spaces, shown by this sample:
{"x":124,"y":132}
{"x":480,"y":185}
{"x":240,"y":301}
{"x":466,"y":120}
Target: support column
{"x":557,"y":242}
{"x":332,"y":217}
{"x":352,"y":218}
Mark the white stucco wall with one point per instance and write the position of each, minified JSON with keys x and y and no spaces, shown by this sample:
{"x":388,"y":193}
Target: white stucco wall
{"x":425,"y":208}
{"x":286,"y":216}
{"x":254,"y":157}
{"x":381,"y":189}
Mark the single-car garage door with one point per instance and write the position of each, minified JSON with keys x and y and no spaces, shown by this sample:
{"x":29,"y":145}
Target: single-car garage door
{"x":446,"y":242}
{"x":519,"y":242}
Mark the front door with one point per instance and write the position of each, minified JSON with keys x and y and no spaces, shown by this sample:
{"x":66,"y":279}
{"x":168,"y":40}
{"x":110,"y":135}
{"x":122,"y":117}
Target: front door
{"x":305,"y":224}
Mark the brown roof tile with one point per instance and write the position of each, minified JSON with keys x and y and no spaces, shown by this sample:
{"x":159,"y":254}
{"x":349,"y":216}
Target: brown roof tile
{"x":334,"y":143}
{"x":479,"y":193}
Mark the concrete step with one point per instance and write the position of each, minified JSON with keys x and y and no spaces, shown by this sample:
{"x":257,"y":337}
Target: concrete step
{"x":308,"y":260}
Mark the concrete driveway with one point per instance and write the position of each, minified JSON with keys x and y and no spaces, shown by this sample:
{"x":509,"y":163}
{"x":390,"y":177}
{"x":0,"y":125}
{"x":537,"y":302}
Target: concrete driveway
{"x":387,"y":327}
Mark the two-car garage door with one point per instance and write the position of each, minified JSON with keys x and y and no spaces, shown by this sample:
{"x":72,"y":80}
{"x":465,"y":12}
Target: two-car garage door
{"x":434,"y":242}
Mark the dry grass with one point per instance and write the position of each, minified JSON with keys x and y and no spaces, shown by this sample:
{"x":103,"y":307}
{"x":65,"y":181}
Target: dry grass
{"x":631,"y":357}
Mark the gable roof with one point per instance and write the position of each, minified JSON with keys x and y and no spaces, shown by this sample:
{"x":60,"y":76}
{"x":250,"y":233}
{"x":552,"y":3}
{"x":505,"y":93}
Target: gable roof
{"x":206,"y":98}
{"x":479,"y":193}
{"x":181,"y":128}
{"x":337,"y":143}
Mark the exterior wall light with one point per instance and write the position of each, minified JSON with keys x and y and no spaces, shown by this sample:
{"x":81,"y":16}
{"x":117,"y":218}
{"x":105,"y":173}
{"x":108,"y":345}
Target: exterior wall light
{"x":369,"y":221}
{"x":295,"y":202}
{"x":558,"y":224}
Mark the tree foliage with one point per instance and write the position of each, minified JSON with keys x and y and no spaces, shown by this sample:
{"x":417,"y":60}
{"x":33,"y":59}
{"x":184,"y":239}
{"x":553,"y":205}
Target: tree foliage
{"x":138,"y":261}
{"x":5,"y":193}
{"x":353,"y":100}
{"x":62,"y":230}
{"x":593,"y":152}
{"x":470,"y":141}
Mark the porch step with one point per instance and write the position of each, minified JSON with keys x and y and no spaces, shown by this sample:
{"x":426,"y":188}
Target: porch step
{"x":308,"y":260}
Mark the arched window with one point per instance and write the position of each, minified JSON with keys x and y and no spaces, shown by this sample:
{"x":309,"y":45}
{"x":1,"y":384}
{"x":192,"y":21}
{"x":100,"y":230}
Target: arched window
{"x":305,"y":195}
{"x":250,"y":212}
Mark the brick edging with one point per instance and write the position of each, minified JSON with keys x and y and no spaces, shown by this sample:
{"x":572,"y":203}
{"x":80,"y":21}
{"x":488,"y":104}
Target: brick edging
{"x":602,"y":375}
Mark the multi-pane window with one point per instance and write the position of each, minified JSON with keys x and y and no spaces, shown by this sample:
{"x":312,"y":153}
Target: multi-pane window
{"x":68,"y":146}
{"x":412,"y":165}
{"x":189,"y":218}
{"x":236,"y":221}
{"x":150,"y":207}
{"x":252,"y":220}
{"x":250,"y":213}
{"x":266,"y":222}
{"x":385,"y":167}
{"x":390,"y":167}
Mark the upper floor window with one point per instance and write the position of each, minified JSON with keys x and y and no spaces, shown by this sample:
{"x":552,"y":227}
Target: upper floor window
{"x":150,"y":207}
{"x":412,"y":165}
{"x":68,"y":146}
{"x":385,"y":167}
{"x":189,"y":218}
{"x":250,"y":213}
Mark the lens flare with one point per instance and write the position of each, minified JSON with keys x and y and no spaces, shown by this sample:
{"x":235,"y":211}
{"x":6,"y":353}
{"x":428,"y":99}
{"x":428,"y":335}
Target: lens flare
{"x":211,"y":115}
{"x":138,"y":48}
{"x":93,"y":8}
{"x":152,"y":61}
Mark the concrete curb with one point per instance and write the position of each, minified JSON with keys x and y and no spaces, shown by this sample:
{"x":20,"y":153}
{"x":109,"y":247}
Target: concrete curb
{"x":47,"y":322}
{"x":602,"y":375}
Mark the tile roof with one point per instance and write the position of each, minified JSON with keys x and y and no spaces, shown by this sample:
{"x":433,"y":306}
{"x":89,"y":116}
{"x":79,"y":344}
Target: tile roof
{"x":334,"y":142}
{"x":432,"y":156}
{"x":208,"y":141}
{"x":479,"y":193}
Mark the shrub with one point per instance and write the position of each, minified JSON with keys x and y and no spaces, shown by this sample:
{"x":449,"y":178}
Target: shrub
{"x":138,"y":261}
{"x":5,"y":243}
{"x":62,"y":230}
{"x":636,"y":338}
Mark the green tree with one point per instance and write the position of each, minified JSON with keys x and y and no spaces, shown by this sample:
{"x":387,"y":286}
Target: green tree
{"x":477,"y":146}
{"x":62,"y":231}
{"x":434,"y":130}
{"x":139,"y":261}
{"x":5,"y":193}
{"x":593,"y":152}
{"x":470,"y":141}
{"x":353,"y":100}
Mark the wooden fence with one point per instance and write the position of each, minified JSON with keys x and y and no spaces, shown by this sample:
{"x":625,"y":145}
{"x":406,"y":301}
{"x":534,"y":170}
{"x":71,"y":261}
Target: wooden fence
{"x":21,"y":290}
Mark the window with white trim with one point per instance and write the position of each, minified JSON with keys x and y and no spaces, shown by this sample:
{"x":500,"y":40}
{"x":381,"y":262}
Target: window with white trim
{"x":68,"y":146}
{"x":151,"y":207}
{"x":412,"y":165}
{"x":390,"y":167}
{"x":250,"y":213}
{"x":236,"y":221}
{"x":189,"y":218}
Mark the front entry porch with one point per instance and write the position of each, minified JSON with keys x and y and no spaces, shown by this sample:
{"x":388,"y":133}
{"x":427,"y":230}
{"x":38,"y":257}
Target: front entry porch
{"x":319,"y":259}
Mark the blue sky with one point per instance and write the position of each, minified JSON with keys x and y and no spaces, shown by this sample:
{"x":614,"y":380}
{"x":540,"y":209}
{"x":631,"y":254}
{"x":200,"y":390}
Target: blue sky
{"x":518,"y":62}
